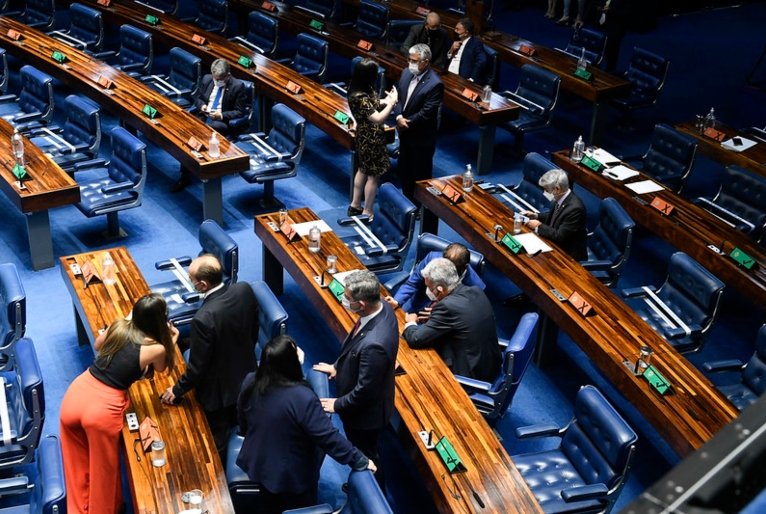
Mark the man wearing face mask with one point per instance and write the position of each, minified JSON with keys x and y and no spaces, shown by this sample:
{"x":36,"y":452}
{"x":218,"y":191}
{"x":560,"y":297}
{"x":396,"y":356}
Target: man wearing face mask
{"x":467,"y":57}
{"x":461,"y":327}
{"x":221,"y":98}
{"x":431,"y":33}
{"x":224,"y":333}
{"x":421,"y":93}
{"x":364,"y":371}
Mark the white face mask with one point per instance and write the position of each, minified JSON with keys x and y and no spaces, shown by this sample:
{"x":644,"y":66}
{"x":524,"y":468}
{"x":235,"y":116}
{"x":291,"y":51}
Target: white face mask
{"x":414,"y":69}
{"x":347,"y":304}
{"x":549,"y":196}
{"x":219,"y":83}
{"x":431,"y":296}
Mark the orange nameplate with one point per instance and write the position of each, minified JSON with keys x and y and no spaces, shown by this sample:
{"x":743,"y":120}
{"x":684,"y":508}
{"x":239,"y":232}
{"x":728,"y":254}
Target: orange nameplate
{"x":198,"y":39}
{"x":293,"y":87}
{"x":104,"y":82}
{"x":580,"y":304}
{"x":662,"y":206}
{"x":364,"y":45}
{"x":452,"y":194}
{"x":268,"y":6}
{"x":714,"y":134}
{"x":287,"y":229}
{"x":14,"y":34}
{"x":105,"y":3}
{"x":422,"y":10}
{"x":527,"y":50}
{"x":471,"y":95}
{"x":89,"y":272}
{"x":194,"y":143}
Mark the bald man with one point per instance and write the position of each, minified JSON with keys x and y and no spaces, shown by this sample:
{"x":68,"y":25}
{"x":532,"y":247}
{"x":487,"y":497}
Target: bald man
{"x":430,"y":33}
{"x":224,"y":332}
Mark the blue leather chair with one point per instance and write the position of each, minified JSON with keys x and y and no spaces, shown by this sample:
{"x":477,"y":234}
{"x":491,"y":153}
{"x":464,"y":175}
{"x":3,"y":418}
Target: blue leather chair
{"x":670,"y":157}
{"x":752,"y":382}
{"x":609,"y":243}
{"x":213,"y":16}
{"x":25,"y":398}
{"x":86,"y":29}
{"x":393,"y":225}
{"x":272,"y":317}
{"x":691,"y":295}
{"x":586,"y":473}
{"x":48,"y":494}
{"x":363,"y":497}
{"x":528,"y":188}
{"x":324,"y":9}
{"x":4,"y":75}
{"x":593,"y":41}
{"x":34,"y":105}
{"x":647,"y":73}
{"x":37,"y":14}
{"x":372,"y":20}
{"x":262,"y":34}
{"x":492,"y":69}
{"x":136,"y":53}
{"x":537,"y":94}
{"x":170,"y":7}
{"x":311,"y":57}
{"x":13,"y":313}
{"x":493,"y":399}
{"x":342,"y":87}
{"x":182,"y":84}
{"x":398,"y":30}
{"x":740,"y":201}
{"x":119,"y":184}
{"x":78,"y":140}
{"x":242,"y":124}
{"x":277,"y":155}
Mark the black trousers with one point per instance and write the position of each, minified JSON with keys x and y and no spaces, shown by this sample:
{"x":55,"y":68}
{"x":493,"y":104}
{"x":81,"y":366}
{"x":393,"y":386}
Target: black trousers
{"x":276,"y":503}
{"x":221,"y":422}
{"x":415,"y":163}
{"x":367,"y":442}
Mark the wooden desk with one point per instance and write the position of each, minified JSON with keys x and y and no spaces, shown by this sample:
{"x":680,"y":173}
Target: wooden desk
{"x":427,"y":396}
{"x":49,"y":187}
{"x":611,"y":334}
{"x":126,"y":99}
{"x":753,"y":159}
{"x":689,"y":228}
{"x":192,"y":459}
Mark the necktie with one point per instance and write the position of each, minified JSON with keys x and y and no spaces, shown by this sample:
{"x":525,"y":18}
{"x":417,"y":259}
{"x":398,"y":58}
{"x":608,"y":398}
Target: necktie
{"x":216,"y":101}
{"x":356,"y":328}
{"x":556,"y":211}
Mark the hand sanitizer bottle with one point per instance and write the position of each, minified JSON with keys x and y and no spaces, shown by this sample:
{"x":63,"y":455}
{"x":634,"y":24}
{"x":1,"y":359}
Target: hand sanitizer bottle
{"x":468,"y":179}
{"x":578,"y":150}
{"x":214,"y":146}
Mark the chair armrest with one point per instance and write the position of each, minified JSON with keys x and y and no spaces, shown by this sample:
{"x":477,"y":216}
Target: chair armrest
{"x":246,"y":138}
{"x":317,"y":509}
{"x":636,"y":292}
{"x":542,"y":430}
{"x":87,"y":165}
{"x":167,"y":265}
{"x":191,"y":297}
{"x":724,"y":365}
{"x":236,"y":122}
{"x":396,"y":281}
{"x":677,"y":333}
{"x":285,"y":60}
{"x":346,"y":24}
{"x":36,"y":24}
{"x":35,"y":131}
{"x":14,"y":485}
{"x":134,"y":66}
{"x":105,"y":55}
{"x":596,"y":265}
{"x":30,"y":116}
{"x":348,"y":221}
{"x":7,"y":98}
{"x":188,"y":20}
{"x":377,"y":250}
{"x":584,"y":492}
{"x":26,"y":128}
{"x":116,"y":188}
{"x":472,"y":385}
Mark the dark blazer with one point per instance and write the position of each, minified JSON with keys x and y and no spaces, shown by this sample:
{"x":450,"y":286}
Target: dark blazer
{"x":568,"y":230}
{"x":223,"y":336}
{"x":437,"y":43}
{"x":473,"y":62}
{"x":286,"y":437}
{"x":422,"y":110}
{"x":365,"y":373}
{"x":234,"y":101}
{"x":616,"y":21}
{"x":462,"y":330}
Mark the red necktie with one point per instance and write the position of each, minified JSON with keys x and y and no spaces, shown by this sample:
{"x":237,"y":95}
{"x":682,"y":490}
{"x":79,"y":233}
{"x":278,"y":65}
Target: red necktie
{"x":356,"y":328}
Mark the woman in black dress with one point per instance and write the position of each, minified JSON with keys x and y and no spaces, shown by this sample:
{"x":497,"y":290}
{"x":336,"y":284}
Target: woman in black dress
{"x":370,"y":113}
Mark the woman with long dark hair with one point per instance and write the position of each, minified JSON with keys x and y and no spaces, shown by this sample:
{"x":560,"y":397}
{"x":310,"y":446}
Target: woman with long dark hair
{"x":286,"y":432}
{"x":370,"y":113}
{"x":93,"y":406}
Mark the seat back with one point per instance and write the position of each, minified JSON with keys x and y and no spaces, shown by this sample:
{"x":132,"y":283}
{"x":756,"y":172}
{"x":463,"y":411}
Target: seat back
{"x":754,"y":374}
{"x":539,"y":86}
{"x":215,"y":241}
{"x":516,"y":358}
{"x":311,"y":56}
{"x":213,"y":16}
{"x":49,"y":494}
{"x":611,"y":240}
{"x":36,"y":92}
{"x":364,"y":495}
{"x":324,"y":7}
{"x":647,"y":72}
{"x":13,"y":306}
{"x":185,"y":71}
{"x":372,"y":20}
{"x":394,"y":222}
{"x":398,"y":30}
{"x":593,"y":41}
{"x":534,"y":167}
{"x":167,"y":6}
{"x":272,"y":317}
{"x":492,"y":68}
{"x":263,"y":32}
{"x":128,"y":162}
{"x":670,"y":156}
{"x":288,"y":132}
{"x":87,"y":25}
{"x":83,"y":123}
{"x":40,"y":14}
{"x":432,"y":243}
{"x":242,"y":124}
{"x":136,"y":48}
{"x":3,"y":71}
{"x":744,"y":194}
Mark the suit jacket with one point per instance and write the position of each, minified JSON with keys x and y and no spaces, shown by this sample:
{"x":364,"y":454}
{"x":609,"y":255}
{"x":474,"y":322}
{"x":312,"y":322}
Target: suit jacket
{"x":365,"y":373}
{"x":437,"y":43}
{"x":422,"y":109}
{"x":463,"y":332}
{"x":234,"y":98}
{"x":568,"y":230}
{"x":616,"y":21}
{"x":224,"y":332}
{"x":473,"y":62}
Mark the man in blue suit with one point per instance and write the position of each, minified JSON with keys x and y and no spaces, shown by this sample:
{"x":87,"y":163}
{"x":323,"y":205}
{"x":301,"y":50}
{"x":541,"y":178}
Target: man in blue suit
{"x":364,"y":371}
{"x":421,"y":93}
{"x":467,"y":57}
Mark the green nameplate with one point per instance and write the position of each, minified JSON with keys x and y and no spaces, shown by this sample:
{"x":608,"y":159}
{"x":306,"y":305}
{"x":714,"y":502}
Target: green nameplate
{"x":244,"y":61}
{"x":19,"y":172}
{"x":152,"y":20}
{"x":591,"y":163}
{"x":448,"y":455}
{"x":742,"y":258}
{"x":58,"y":56}
{"x":656,"y":380}
{"x":341,"y":117}
{"x":583,"y":74}
{"x":149,"y":111}
{"x":318,"y":25}
{"x":337,"y":289}
{"x":512,"y":243}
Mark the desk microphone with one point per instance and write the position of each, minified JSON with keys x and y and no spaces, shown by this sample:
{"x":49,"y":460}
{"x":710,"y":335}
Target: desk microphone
{"x":321,"y":280}
{"x":84,"y":282}
{"x":497,"y":228}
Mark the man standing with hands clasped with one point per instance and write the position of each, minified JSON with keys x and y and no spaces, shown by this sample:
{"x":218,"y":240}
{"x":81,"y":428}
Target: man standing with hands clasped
{"x":364,"y":370}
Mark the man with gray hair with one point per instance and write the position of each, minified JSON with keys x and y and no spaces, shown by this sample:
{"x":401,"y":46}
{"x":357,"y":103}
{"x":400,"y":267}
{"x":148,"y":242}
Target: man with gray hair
{"x":421,"y":92}
{"x":364,"y":371}
{"x":564,"y":223}
{"x":461,"y":327}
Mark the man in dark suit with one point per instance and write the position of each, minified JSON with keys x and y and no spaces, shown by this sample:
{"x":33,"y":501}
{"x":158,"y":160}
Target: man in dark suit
{"x":221,"y":98}
{"x":564,"y":223}
{"x":432,"y":34}
{"x":610,"y":17}
{"x":461,"y":326}
{"x":364,"y":371}
{"x":224,"y":332}
{"x":467,"y":57}
{"x":421,"y":93}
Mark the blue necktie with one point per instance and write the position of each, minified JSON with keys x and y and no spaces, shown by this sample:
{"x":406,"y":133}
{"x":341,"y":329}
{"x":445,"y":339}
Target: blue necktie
{"x":216,"y":101}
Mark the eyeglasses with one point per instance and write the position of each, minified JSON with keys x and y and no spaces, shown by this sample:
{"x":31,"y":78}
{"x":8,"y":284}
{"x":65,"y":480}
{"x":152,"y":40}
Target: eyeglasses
{"x":415,"y":61}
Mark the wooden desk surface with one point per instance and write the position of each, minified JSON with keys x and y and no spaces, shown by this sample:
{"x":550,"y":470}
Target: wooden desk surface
{"x":689,"y":228}
{"x":611,"y":334}
{"x":192,"y":459}
{"x":753,"y":159}
{"x":427,"y":396}
{"x":125,"y":99}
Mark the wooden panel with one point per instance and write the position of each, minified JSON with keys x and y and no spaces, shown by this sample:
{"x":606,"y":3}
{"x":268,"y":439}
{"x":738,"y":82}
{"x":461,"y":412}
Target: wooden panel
{"x":192,"y":459}
{"x":612,"y":334}
{"x":427,"y":396}
{"x":753,"y":159}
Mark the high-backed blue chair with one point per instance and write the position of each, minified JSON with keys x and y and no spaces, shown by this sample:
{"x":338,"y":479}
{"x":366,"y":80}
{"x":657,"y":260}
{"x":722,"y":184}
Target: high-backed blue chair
{"x":670,"y":157}
{"x":363,"y":497}
{"x":325,"y":9}
{"x":593,"y":41}
{"x":684,"y":308}
{"x":646,"y":73}
{"x":527,"y":194}
{"x":398,"y":30}
{"x":182,"y":84}
{"x":37,"y":14}
{"x":48,"y":494}
{"x":170,"y":7}
{"x":752,"y":381}
{"x":493,"y":399}
{"x":587,"y":472}
{"x":277,"y":155}
{"x":78,"y":140}
{"x":118,"y":184}
{"x":492,"y":68}
{"x":136,"y":53}
{"x":4,"y":75}
{"x":213,"y":16}
{"x":242,"y":124}
{"x":262,"y":34}
{"x":13,"y":313}
{"x":34,"y":105}
{"x":372,"y":20}
{"x":537,"y":94}
{"x":272,"y":316}
{"x":609,"y":243}
{"x":311,"y":57}
{"x":86,"y":29}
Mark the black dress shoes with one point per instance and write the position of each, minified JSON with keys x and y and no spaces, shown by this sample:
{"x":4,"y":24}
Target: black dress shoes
{"x":181,"y":184}
{"x":353,"y":211}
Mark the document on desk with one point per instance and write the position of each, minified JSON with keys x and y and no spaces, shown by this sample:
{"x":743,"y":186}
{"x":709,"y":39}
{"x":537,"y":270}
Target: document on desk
{"x":532,"y":243}
{"x":605,"y":157}
{"x":303,"y":228}
{"x":619,"y":172}
{"x":341,"y":277}
{"x":744,"y":144}
{"x":645,"y":186}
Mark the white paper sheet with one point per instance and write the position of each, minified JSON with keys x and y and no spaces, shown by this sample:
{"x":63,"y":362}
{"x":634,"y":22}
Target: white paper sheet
{"x":532,"y":243}
{"x":604,"y":157}
{"x":303,"y":228}
{"x":746,"y":143}
{"x":645,"y":186}
{"x":620,"y":172}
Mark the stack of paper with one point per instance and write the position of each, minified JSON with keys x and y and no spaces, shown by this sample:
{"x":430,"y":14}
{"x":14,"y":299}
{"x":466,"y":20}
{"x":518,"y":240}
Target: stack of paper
{"x":746,"y":143}
{"x":645,"y":186}
{"x":532,"y":243}
{"x":605,"y":157}
{"x":620,"y":172}
{"x":303,"y":228}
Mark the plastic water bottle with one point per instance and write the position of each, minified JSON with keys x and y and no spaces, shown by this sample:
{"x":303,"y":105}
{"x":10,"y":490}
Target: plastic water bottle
{"x":486,"y":94}
{"x":315,"y":237}
{"x":582,"y":62}
{"x":578,"y":150}
{"x":214,"y":146}
{"x":710,"y":119}
{"x":108,"y":270}
{"x":468,"y":179}
{"x":17,"y":143}
{"x":517,"y":223}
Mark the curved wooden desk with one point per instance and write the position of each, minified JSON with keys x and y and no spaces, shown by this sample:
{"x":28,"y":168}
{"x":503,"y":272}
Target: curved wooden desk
{"x":753,"y":159}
